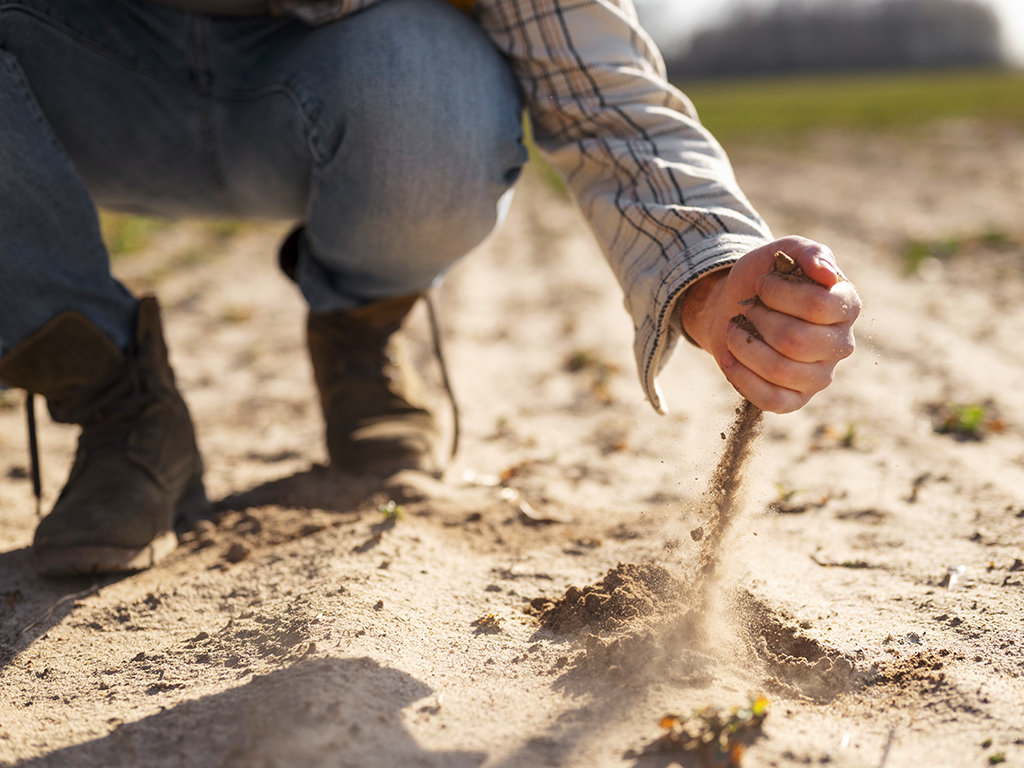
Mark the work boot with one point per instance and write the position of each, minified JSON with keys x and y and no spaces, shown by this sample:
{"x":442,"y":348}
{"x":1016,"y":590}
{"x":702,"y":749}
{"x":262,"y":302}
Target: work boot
{"x":137,"y":467}
{"x":372,"y":399}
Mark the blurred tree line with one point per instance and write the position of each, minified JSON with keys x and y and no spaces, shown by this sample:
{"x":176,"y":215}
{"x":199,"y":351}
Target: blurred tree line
{"x":802,"y":36}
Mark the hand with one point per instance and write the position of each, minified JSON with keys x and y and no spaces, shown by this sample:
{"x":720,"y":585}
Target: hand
{"x":807,"y":327}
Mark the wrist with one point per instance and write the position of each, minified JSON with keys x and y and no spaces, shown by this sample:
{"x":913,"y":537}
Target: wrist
{"x":697,"y":310}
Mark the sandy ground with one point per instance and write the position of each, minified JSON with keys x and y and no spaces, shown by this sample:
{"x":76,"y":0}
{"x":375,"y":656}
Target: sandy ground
{"x":306,"y":629}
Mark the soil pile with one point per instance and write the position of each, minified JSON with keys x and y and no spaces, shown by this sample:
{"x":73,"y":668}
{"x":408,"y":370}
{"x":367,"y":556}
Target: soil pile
{"x":626,"y":594}
{"x":638,"y":624}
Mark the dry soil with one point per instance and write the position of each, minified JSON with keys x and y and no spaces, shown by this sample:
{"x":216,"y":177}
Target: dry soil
{"x":304,"y":627}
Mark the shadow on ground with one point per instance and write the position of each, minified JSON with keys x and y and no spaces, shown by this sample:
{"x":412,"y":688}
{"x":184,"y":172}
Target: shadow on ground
{"x":320,"y":712}
{"x":318,"y":487}
{"x":31,"y":605}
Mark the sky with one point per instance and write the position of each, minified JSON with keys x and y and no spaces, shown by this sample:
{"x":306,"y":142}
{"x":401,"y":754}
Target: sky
{"x":671,"y":21}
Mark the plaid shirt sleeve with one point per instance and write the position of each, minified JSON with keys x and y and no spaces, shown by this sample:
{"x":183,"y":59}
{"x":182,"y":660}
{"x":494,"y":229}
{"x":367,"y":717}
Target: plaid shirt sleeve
{"x":655,"y":187}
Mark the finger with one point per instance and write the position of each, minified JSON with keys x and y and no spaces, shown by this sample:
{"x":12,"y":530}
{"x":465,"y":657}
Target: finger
{"x":815,"y":259}
{"x":810,"y":302}
{"x":777,"y":369}
{"x":761,"y":393}
{"x":801,"y":341}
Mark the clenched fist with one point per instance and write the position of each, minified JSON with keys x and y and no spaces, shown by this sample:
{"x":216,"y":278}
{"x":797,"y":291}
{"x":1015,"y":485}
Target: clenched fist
{"x":806,"y":328}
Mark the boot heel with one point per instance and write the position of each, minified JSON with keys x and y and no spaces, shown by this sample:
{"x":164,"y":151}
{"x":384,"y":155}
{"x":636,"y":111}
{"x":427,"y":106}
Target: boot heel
{"x":193,"y":505}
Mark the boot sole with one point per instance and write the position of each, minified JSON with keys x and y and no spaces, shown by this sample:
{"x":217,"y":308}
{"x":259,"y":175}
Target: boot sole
{"x":83,"y":561}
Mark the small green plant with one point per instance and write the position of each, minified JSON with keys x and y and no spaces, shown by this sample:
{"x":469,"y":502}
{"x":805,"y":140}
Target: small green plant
{"x":916,"y":252}
{"x":223,"y":229}
{"x":599,"y":369}
{"x":125,"y":234}
{"x":8,"y":399}
{"x":849,"y":438}
{"x":712,"y":736}
{"x":965,"y":422}
{"x":996,"y":238}
{"x":580,"y":360}
{"x":236,"y":313}
{"x":785,"y":502}
{"x":503,"y":427}
{"x":996,"y":758}
{"x":392,"y":511}
{"x":785,"y":493}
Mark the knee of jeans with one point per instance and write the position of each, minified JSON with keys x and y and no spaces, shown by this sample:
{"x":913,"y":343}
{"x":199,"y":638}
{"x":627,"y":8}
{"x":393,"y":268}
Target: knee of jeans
{"x":430,"y":109}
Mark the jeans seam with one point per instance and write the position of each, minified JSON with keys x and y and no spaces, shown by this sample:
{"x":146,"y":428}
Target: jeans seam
{"x":35,"y":108}
{"x":198,"y":56}
{"x":308,"y":121}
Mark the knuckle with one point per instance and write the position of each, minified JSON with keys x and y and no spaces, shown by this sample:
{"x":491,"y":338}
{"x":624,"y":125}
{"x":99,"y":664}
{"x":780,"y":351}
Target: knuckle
{"x":789,"y":341}
{"x":817,"y":378}
{"x":856,"y":304}
{"x":780,"y":401}
{"x":852,"y":306}
{"x":825,"y":376}
{"x":778,"y":370}
{"x":792,"y":241}
{"x":846,"y":347}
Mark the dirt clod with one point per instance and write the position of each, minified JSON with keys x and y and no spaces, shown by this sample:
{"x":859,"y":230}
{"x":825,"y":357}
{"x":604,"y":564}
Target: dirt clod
{"x":237,"y":553}
{"x":744,"y":324}
{"x":488,"y":624}
{"x":785,"y":268}
{"x":785,"y":264}
{"x":628,"y":592}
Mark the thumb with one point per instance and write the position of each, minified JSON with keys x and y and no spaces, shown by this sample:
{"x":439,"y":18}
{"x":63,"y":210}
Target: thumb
{"x":820,"y":266}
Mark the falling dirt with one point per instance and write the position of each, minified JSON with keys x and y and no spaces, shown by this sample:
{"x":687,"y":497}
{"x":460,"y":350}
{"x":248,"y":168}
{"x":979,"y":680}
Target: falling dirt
{"x":724,"y":497}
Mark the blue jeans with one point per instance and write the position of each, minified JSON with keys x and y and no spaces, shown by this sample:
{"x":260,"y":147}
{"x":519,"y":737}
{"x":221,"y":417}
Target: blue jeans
{"x":393,"y":135}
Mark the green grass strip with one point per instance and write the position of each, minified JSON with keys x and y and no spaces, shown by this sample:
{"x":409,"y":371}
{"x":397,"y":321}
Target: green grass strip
{"x":773,"y":107}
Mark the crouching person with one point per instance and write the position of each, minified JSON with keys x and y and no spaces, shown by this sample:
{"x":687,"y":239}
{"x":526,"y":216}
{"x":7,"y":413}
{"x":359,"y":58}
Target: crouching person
{"x":390,"y":132}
